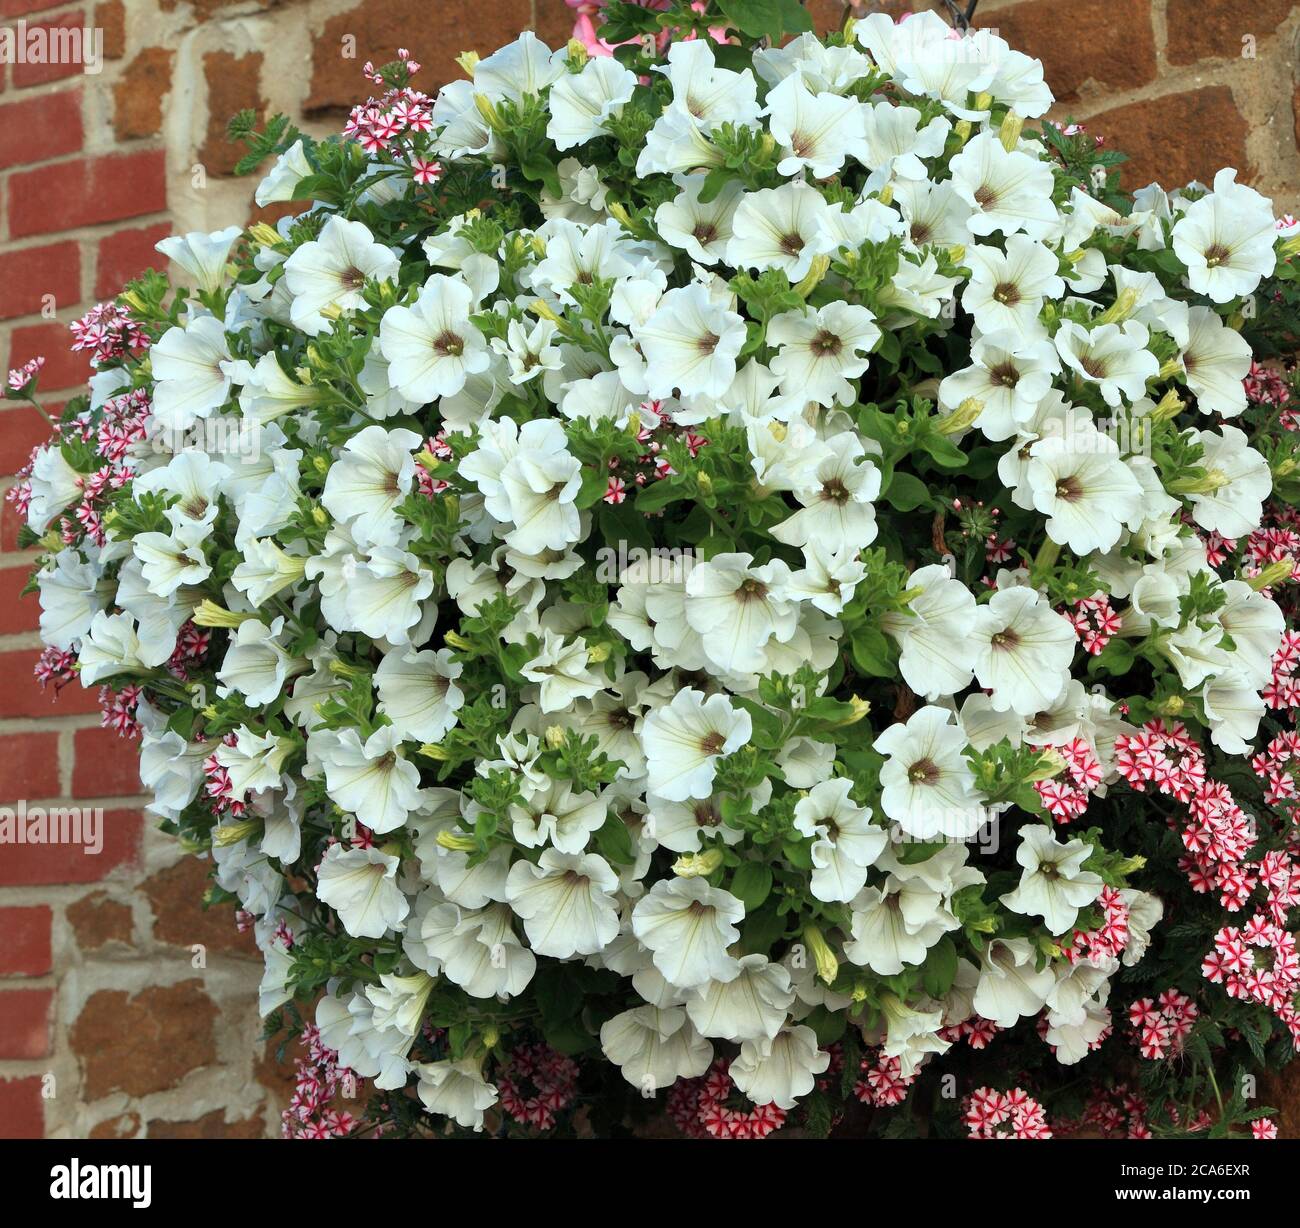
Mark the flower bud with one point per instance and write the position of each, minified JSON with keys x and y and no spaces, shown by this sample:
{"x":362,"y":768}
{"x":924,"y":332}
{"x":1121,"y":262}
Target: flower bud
{"x":697,"y":865}
{"x":1273,"y":574}
{"x":828,"y":967}
{"x":960,"y":418}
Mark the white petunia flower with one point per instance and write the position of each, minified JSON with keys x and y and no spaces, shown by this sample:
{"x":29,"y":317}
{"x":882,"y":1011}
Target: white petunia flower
{"x":554,"y":813}
{"x":655,"y":1047}
{"x":936,"y":653}
{"x":170,"y":560}
{"x":581,"y":103}
{"x":457,"y":1090}
{"x":780,"y":228}
{"x":1009,"y":987}
{"x":754,"y":1005}
{"x":687,"y":927}
{"x":373,"y":780}
{"x":191,"y":368}
{"x":566,"y":902}
{"x":360,"y":885}
{"x":815,"y":132}
{"x":1237,"y":479}
{"x":1216,"y":360}
{"x":1053,"y":884}
{"x":202,"y":256}
{"x":478,"y":949}
{"x":699,"y":229}
{"x":1007,"y":192}
{"x":1083,"y":487}
{"x":418,"y":692}
{"x":837,"y":497}
{"x":691,"y":343}
{"x":1113,"y":356}
{"x":1023,"y":650}
{"x":1007,"y":289}
{"x":780,"y":1069}
{"x":1008,"y":376}
{"x":819,"y":353}
{"x":372,"y":475}
{"x":1226,"y":240}
{"x":386,"y":594}
{"x":111,"y":646}
{"x":256,"y":665}
{"x":845,"y":841}
{"x":927,"y":786}
{"x":432,"y":348}
{"x":327,"y":275}
{"x":561,"y":670}
{"x":736,"y":608}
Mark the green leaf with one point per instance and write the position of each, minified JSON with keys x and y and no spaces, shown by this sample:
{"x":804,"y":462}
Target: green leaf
{"x":906,"y":492}
{"x":751,"y":884}
{"x":940,"y":968}
{"x":872,"y":653}
{"x":766,"y":18}
{"x":614,"y":841}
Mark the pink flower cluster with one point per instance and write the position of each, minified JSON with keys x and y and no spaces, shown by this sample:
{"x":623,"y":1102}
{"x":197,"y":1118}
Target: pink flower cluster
{"x":537,"y":1083}
{"x":1162,"y":1024}
{"x":700,"y":1108}
{"x":883,"y":1083}
{"x":320,"y":1080}
{"x":1013,"y":1114}
{"x":1066,"y":797}
{"x":1110,"y":938}
{"x":1094,"y":622}
{"x":107,"y":332}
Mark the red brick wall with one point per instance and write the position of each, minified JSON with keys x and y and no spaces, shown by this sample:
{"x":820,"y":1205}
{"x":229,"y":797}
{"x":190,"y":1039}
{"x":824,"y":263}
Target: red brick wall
{"x":105,"y":1024}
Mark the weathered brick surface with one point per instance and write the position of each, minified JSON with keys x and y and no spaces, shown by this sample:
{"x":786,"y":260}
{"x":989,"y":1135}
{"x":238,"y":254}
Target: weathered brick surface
{"x":1142,"y":130}
{"x":94,"y":170}
{"x":1110,"y":45}
{"x":146,"y":1042}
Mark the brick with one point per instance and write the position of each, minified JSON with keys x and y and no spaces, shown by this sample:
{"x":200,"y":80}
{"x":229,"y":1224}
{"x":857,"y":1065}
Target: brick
{"x":64,"y":35}
{"x":20,"y":8}
{"x":87,"y":192}
{"x":21,"y":429}
{"x":10,"y":523}
{"x":381,"y":26}
{"x":180,"y":919}
{"x":29,"y":766}
{"x":17,"y":613}
{"x":124,"y":1125}
{"x":146,"y":1043}
{"x":25,"y":940}
{"x":22,"y":1111}
{"x":23,"y":696}
{"x":33,"y":865}
{"x":97,"y":920}
{"x":64,"y":368}
{"x":1110,"y":42}
{"x":56,"y":117}
{"x":234,"y":84}
{"x":105,"y":764}
{"x":125,"y":255}
{"x":1141,"y":130}
{"x":1205,"y":29}
{"x":210,"y":1125}
{"x":111,"y":18}
{"x":28,"y":275}
{"x":25,"y":1023}
{"x":139,"y":94}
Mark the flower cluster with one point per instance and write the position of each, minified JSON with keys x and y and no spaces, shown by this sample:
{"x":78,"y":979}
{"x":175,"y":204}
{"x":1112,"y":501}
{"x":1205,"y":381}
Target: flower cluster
{"x":643,"y":569}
